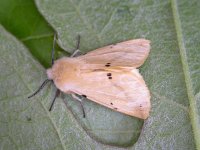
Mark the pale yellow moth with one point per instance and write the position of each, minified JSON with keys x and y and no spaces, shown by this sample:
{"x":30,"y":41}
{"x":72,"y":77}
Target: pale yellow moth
{"x":108,"y":76}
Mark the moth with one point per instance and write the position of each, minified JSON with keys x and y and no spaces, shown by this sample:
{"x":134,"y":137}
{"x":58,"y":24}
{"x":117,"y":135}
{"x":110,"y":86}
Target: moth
{"x":107,"y":76}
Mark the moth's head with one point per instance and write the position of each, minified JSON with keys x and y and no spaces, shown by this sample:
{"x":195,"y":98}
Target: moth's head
{"x":59,"y":69}
{"x":62,"y":72}
{"x":54,"y":74}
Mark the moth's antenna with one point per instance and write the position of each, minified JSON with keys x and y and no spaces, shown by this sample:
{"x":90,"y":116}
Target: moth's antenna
{"x":56,"y":95}
{"x":78,"y":42}
{"x":53,"y":48}
{"x":40,"y":88}
{"x":47,"y":80}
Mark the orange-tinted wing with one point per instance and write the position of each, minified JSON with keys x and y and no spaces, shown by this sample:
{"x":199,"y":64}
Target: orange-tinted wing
{"x":108,"y":76}
{"x":130,"y":53}
{"x":120,"y":90}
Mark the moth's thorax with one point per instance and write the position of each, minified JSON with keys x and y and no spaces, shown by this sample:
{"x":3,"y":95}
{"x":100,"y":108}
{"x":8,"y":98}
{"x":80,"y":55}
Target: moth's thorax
{"x":64,"y":72}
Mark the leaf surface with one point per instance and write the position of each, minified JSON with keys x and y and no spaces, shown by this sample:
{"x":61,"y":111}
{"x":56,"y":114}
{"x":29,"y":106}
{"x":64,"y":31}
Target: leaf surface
{"x":171,"y":72}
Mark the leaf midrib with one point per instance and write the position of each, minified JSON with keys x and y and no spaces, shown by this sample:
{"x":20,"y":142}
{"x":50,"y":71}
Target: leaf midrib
{"x":192,"y":108}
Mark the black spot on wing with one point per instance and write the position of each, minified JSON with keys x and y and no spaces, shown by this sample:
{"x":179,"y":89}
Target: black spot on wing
{"x":109,"y":74}
{"x":108,"y":64}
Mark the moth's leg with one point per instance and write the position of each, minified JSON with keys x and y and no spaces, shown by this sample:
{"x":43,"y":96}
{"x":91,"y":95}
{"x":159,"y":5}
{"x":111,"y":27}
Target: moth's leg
{"x":81,"y":102}
{"x":77,"y":51}
{"x":53,"y":48}
{"x":56,"y":95}
{"x":78,"y":42}
{"x":40,"y":88}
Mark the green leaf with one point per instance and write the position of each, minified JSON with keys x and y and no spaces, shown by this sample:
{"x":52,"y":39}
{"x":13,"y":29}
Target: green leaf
{"x":171,"y":72}
{"x":27,"y":123}
{"x":21,"y":18}
{"x":188,"y":39}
